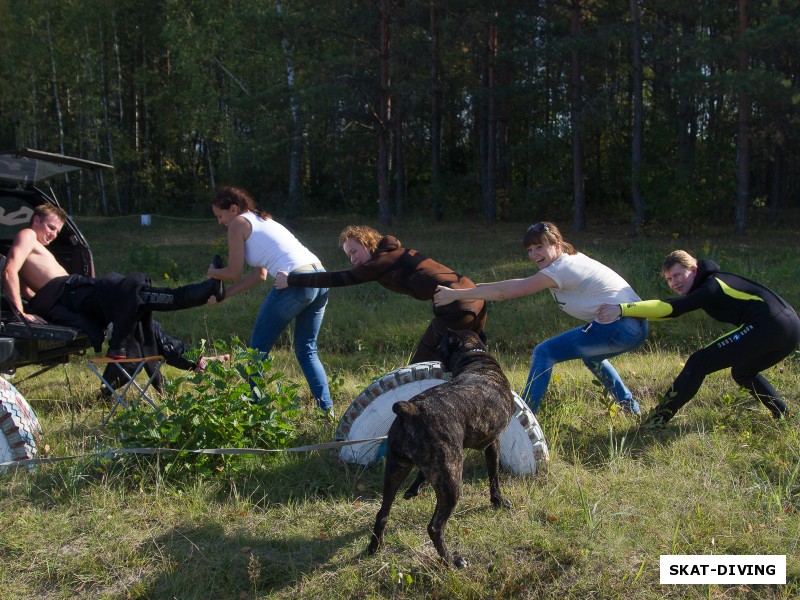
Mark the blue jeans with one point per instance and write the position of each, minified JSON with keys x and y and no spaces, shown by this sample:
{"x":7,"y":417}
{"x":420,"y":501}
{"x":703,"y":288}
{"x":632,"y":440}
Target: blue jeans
{"x":307,"y":307}
{"x":594,"y":343}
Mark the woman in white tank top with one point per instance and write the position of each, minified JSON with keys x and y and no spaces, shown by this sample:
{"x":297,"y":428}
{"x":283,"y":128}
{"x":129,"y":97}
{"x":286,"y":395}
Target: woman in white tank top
{"x":268,"y":247}
{"x":579,"y":285}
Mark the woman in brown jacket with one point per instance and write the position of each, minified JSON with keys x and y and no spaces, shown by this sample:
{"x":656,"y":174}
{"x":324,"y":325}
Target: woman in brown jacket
{"x":383,"y":259}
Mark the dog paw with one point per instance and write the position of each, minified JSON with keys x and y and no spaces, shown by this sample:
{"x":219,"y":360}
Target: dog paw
{"x":374,"y":546}
{"x":501,"y":503}
{"x":459,"y":562}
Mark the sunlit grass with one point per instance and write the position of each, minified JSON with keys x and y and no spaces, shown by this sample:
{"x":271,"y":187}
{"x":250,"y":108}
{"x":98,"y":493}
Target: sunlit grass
{"x":724,"y":478}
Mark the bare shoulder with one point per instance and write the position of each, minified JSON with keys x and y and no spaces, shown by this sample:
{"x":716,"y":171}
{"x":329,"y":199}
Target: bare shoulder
{"x":24,"y":243}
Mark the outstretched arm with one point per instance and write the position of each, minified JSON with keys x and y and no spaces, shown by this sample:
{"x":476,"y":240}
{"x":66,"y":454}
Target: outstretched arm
{"x":498,"y":290}
{"x":252,"y":279}
{"x":238,"y":231}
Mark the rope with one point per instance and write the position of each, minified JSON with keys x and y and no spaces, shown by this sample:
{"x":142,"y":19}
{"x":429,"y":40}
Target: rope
{"x":112,"y":452}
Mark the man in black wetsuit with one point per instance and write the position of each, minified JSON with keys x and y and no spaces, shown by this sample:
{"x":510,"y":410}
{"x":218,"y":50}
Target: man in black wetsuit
{"x":32,"y":272}
{"x":767,"y":331}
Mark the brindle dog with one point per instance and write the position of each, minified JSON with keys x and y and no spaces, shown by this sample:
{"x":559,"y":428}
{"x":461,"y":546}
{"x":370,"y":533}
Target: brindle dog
{"x":433,"y":428}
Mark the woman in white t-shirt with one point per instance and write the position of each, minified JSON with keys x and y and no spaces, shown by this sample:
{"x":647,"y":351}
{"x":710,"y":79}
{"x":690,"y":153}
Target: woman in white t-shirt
{"x":580,"y":285}
{"x":267,"y":246}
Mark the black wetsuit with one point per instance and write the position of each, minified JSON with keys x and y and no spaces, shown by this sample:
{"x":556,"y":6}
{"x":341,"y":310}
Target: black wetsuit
{"x":122,"y":300}
{"x":767,"y":331}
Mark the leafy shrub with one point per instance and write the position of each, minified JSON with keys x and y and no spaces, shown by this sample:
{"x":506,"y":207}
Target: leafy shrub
{"x":238,"y":404}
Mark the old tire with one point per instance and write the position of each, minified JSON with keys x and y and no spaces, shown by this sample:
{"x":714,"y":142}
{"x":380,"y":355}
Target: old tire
{"x":19,"y":428}
{"x":523,"y":449}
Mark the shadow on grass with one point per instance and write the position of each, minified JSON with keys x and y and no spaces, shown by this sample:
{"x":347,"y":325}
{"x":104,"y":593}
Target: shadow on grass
{"x":209,"y":562}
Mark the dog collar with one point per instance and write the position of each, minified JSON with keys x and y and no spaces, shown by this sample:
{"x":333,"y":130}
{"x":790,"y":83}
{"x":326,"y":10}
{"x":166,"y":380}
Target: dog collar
{"x":475,"y":350}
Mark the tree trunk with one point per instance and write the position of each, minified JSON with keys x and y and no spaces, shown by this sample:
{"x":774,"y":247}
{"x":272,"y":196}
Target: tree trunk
{"x":436,"y":118}
{"x":297,"y":130}
{"x":637,"y":135}
{"x":490,"y":189}
{"x":687,"y":123}
{"x":776,"y":184}
{"x":384,"y":112}
{"x":106,"y":120}
{"x":578,"y":180}
{"x":743,"y":145}
{"x":399,"y":160}
{"x":59,"y":115}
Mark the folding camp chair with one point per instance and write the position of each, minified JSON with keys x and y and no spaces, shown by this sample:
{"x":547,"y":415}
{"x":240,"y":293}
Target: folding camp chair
{"x":132,"y":388}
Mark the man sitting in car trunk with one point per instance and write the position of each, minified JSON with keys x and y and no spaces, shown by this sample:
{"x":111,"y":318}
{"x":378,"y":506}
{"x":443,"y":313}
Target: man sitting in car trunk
{"x":32,"y":272}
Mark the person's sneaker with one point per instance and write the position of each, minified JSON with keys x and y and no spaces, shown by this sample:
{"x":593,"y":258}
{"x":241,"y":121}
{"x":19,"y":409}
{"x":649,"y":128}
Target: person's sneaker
{"x":328,"y":414}
{"x":103,"y":394}
{"x":219,"y":287}
{"x":629,"y":407}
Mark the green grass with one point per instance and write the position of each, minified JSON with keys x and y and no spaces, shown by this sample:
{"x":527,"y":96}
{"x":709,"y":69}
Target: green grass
{"x":723,"y":478}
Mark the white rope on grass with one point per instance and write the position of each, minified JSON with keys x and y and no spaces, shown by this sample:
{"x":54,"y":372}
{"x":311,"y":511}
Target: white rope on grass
{"x":114,"y":452}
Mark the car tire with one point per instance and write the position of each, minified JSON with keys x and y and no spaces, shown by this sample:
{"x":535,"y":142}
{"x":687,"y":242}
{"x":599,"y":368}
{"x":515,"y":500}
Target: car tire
{"x":523,"y":449}
{"x":20,"y":431}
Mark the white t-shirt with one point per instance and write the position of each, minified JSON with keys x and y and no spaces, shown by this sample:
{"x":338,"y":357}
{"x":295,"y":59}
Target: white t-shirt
{"x":274,"y":247}
{"x":583,"y":284}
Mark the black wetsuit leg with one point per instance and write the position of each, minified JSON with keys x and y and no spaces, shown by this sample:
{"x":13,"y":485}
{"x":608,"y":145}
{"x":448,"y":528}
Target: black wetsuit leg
{"x":747,"y":350}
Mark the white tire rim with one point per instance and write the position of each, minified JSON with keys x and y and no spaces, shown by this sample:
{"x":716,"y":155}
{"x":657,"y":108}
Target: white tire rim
{"x":523,"y":449}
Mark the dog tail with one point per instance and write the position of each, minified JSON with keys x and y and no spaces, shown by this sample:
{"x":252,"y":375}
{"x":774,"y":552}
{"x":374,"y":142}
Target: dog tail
{"x":404,"y":408}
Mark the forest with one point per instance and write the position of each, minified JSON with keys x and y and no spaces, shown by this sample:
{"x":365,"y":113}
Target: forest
{"x":661,"y":111}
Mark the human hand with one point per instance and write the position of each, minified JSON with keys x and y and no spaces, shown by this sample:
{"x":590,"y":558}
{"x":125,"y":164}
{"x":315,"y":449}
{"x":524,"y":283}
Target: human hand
{"x":33,"y":319}
{"x":444,"y":296}
{"x":212,"y":301}
{"x":281,"y":280}
{"x":609,"y":313}
{"x":202,"y":363}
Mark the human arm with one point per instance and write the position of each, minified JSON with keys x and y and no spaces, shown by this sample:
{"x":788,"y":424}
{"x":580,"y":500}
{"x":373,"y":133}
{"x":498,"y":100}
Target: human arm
{"x":239,"y":230}
{"x":645,"y":309}
{"x":253,"y":278}
{"x":18,"y":253}
{"x":498,"y":290}
{"x":659,"y":309}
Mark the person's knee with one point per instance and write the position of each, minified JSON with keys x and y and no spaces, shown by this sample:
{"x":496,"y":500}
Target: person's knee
{"x":541,"y":355}
{"x":743,"y":378}
{"x":305,"y":350}
{"x":696,"y":366}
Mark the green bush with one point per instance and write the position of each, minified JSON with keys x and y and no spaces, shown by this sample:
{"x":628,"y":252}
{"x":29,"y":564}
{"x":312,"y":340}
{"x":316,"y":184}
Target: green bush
{"x":235,"y":404}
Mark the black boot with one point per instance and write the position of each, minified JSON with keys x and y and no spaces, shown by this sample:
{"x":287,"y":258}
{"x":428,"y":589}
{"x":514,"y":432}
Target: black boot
{"x":218,"y":263}
{"x":187,"y":296}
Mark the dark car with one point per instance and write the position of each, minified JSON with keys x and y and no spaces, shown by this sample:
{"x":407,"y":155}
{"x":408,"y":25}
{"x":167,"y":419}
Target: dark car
{"x":21,"y":175}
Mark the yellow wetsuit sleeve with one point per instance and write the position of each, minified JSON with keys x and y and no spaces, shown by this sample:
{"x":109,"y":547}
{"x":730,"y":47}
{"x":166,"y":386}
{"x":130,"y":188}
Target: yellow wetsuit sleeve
{"x":648,"y":309}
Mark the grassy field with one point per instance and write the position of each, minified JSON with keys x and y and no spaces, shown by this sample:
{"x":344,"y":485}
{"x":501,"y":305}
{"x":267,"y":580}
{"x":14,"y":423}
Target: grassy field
{"x":723,"y":478}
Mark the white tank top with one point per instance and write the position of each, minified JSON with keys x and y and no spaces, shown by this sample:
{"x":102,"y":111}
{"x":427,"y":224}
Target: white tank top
{"x":274,"y":247}
{"x":583,"y":284}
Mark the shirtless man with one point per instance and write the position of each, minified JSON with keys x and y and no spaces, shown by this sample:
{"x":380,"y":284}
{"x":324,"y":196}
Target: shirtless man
{"x":33,"y":273}
{"x":29,"y":264}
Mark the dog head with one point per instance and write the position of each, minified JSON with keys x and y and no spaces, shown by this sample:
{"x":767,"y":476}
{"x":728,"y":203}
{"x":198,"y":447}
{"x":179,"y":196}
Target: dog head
{"x":454,"y":344}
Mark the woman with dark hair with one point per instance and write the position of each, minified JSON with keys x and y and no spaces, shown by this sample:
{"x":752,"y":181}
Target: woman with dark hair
{"x":767,"y":331}
{"x":254,"y":237}
{"x":580,"y":285}
{"x":383,"y":259}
